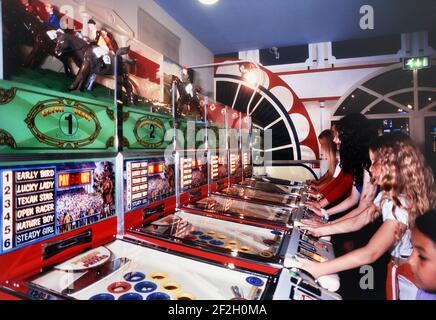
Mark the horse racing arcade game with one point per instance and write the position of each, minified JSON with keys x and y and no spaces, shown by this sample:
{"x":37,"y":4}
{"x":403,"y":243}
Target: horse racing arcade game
{"x":210,"y":235}
{"x":78,"y":168}
{"x":63,"y":179}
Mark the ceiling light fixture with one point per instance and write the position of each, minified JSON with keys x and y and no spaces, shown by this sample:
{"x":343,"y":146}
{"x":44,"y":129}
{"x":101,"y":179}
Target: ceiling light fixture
{"x":208,"y":2}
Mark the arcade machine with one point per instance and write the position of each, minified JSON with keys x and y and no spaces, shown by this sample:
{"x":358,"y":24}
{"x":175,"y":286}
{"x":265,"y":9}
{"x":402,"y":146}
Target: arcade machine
{"x":217,"y":146}
{"x":62,"y":195}
{"x":255,"y":247}
{"x":277,"y":181}
{"x":256,"y":191}
{"x":234,"y":122}
{"x":58,"y":169}
{"x":69,"y":189}
{"x":203,"y":236}
{"x":246,"y":147}
{"x":272,"y":187}
{"x":248,"y":193}
{"x":170,"y":171}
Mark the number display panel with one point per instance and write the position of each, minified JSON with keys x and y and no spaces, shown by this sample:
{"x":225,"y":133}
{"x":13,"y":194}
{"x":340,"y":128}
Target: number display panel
{"x":40,"y":202}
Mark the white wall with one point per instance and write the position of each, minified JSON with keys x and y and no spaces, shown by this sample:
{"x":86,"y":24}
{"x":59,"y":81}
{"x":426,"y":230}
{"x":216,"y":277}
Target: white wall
{"x":325,"y":84}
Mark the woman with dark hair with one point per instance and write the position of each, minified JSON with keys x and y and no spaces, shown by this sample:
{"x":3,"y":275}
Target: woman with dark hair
{"x":353,"y":134}
{"x":423,"y":258}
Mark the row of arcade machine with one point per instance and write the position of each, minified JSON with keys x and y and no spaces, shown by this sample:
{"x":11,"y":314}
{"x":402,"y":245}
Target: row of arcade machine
{"x":175,"y":215}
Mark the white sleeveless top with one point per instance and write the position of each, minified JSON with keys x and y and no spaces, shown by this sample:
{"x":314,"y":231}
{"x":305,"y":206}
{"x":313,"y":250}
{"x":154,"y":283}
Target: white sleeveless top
{"x":403,"y":248}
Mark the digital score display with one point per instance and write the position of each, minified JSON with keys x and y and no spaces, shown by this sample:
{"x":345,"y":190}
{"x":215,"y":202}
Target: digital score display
{"x":246,"y":164}
{"x":157,"y":168}
{"x":28,"y":206}
{"x":245,"y":160}
{"x":186,"y":173}
{"x":137,"y":183}
{"x":214,"y":167}
{"x":68,"y":180}
{"x":233,"y":162}
{"x":197,"y":163}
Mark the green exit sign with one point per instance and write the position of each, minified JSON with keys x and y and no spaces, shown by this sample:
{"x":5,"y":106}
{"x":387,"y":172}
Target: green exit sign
{"x":416,"y":63}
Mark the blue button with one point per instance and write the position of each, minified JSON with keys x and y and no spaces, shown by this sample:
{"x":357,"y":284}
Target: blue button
{"x":197,"y":233}
{"x":158,"y":296}
{"x":145,"y":287}
{"x":102,"y":296}
{"x":255,"y":281}
{"x":131,"y":296}
{"x":276,"y":233}
{"x":216,"y":243}
{"x":134,"y":276}
{"x":205,"y":237}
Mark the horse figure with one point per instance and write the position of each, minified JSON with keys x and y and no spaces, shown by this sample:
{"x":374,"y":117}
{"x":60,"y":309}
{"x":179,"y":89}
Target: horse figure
{"x":26,"y":29}
{"x":186,"y":101}
{"x":104,"y":184}
{"x":80,"y":49}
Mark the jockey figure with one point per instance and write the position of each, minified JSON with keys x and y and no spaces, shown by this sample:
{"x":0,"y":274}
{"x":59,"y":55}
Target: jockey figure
{"x":27,"y":6}
{"x":105,"y":42}
{"x":106,"y":45}
{"x":53,"y":20}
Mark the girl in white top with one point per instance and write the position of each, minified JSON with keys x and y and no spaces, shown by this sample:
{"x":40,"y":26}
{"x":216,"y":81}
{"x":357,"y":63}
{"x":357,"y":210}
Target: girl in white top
{"x":408,"y":190}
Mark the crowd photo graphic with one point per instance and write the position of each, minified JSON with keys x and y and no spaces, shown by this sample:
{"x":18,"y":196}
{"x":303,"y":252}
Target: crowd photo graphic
{"x":83,"y":205}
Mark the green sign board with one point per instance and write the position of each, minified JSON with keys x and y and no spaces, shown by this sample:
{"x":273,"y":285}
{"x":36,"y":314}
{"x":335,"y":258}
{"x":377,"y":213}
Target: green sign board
{"x":416,"y":63}
{"x":35,"y":120}
{"x":145,"y":130}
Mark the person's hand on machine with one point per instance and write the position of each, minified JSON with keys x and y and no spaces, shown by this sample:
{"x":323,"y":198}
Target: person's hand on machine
{"x":314,"y":207}
{"x":314,"y":223}
{"x":304,"y":264}
{"x":313,"y":229}
{"x":309,"y":182}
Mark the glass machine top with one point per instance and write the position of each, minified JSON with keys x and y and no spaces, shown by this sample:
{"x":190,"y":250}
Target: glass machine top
{"x":248,"y":193}
{"x":244,"y":209}
{"x":125,"y":271}
{"x":271,"y":187}
{"x":231,"y":238}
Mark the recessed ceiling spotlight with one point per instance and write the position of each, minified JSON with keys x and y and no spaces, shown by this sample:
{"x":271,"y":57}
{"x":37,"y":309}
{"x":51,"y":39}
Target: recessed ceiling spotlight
{"x":208,"y":2}
{"x":409,"y":106}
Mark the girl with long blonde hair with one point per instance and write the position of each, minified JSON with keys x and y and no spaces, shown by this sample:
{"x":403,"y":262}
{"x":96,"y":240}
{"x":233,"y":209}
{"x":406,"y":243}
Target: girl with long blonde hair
{"x":329,"y":149}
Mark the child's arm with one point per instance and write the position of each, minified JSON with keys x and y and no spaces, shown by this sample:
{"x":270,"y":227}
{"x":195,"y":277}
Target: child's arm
{"x":381,"y":242}
{"x":366,"y":200}
{"x":350,"y":201}
{"x":352,"y":224}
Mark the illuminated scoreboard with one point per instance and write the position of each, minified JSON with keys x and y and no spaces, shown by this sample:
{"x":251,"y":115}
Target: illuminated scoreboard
{"x":39,"y":202}
{"x":233,"y":163}
{"x":156,"y":168}
{"x":28,"y":206}
{"x":246,"y":160}
{"x":74,"y":179}
{"x":137,"y":183}
{"x":186,"y":173}
{"x":214,"y":167}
